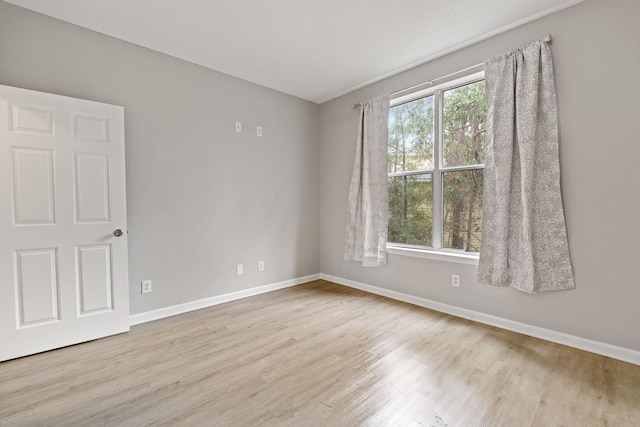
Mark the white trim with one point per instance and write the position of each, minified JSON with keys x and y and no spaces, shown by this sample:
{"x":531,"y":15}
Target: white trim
{"x":161,"y":313}
{"x":438,"y":171}
{"x":604,"y":349}
{"x":441,"y":255}
{"x":471,"y":77}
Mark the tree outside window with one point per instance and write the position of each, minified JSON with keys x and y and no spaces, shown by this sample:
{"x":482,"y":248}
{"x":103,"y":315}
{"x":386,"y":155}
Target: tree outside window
{"x":436,"y":162}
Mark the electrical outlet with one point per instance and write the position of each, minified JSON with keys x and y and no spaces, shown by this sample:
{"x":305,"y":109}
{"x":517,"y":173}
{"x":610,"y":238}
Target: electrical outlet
{"x":260,"y":265}
{"x":146,"y":287}
{"x":238,"y":127}
{"x":455,"y":280}
{"x":239,"y":269}
{"x":259,"y":131}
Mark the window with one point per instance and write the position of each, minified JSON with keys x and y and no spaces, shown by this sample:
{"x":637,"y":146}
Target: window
{"x":436,"y":163}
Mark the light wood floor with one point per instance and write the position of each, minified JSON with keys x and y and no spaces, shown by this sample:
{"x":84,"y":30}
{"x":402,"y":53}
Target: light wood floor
{"x":318,"y":354}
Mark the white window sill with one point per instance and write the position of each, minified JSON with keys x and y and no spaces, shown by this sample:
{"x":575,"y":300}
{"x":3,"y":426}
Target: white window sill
{"x":457,"y":257}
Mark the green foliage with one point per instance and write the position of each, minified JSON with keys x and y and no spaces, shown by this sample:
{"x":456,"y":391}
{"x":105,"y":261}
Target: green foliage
{"x":411,"y":136}
{"x":464,"y":125}
{"x":410,"y":209}
{"x":463,"y":209}
{"x":463,"y":144}
{"x":411,"y":148}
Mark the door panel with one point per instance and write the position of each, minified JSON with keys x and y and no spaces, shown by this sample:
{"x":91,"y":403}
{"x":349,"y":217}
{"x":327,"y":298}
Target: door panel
{"x":63,"y":272}
{"x":91,"y":173}
{"x":36,"y":281}
{"x":30,"y":119}
{"x":33,"y":186}
{"x":94,"y":278}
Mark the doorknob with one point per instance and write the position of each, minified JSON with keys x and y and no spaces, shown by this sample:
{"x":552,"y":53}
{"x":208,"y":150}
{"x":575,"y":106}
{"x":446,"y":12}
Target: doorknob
{"x":117,"y":233}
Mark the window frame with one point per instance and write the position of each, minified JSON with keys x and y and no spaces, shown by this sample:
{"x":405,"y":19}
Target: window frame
{"x":436,"y":251}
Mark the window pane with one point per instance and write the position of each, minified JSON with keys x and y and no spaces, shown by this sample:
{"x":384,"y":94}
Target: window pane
{"x":464,"y":116}
{"x":463,"y":210}
{"x":411,"y":136}
{"x":410,"y":209}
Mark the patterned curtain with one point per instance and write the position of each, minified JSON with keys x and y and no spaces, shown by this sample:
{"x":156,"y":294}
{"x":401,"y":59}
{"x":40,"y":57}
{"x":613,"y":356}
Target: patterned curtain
{"x":524,"y":238}
{"x":366,"y":240}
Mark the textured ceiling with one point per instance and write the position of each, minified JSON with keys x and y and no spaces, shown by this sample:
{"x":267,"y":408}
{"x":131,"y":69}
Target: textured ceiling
{"x":313,"y":49}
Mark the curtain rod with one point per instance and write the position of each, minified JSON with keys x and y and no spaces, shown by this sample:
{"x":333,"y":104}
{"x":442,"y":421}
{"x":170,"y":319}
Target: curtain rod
{"x":429,"y":82}
{"x":547,"y":39}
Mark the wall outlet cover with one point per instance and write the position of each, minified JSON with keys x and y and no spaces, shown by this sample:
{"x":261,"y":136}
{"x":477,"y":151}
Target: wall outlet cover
{"x":455,"y":280}
{"x":146,"y":287}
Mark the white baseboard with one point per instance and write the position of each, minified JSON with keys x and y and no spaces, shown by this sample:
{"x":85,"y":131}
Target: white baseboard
{"x":604,"y":349}
{"x":149,"y":316}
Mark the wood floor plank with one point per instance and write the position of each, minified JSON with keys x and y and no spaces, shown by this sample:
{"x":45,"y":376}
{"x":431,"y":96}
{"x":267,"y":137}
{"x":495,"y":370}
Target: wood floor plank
{"x":318,"y":354}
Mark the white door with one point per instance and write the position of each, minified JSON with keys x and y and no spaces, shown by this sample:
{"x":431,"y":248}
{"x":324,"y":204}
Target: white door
{"x":63,"y":269}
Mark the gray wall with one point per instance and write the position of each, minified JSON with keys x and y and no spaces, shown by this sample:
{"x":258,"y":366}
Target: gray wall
{"x":201,"y":198}
{"x":596,"y":50}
